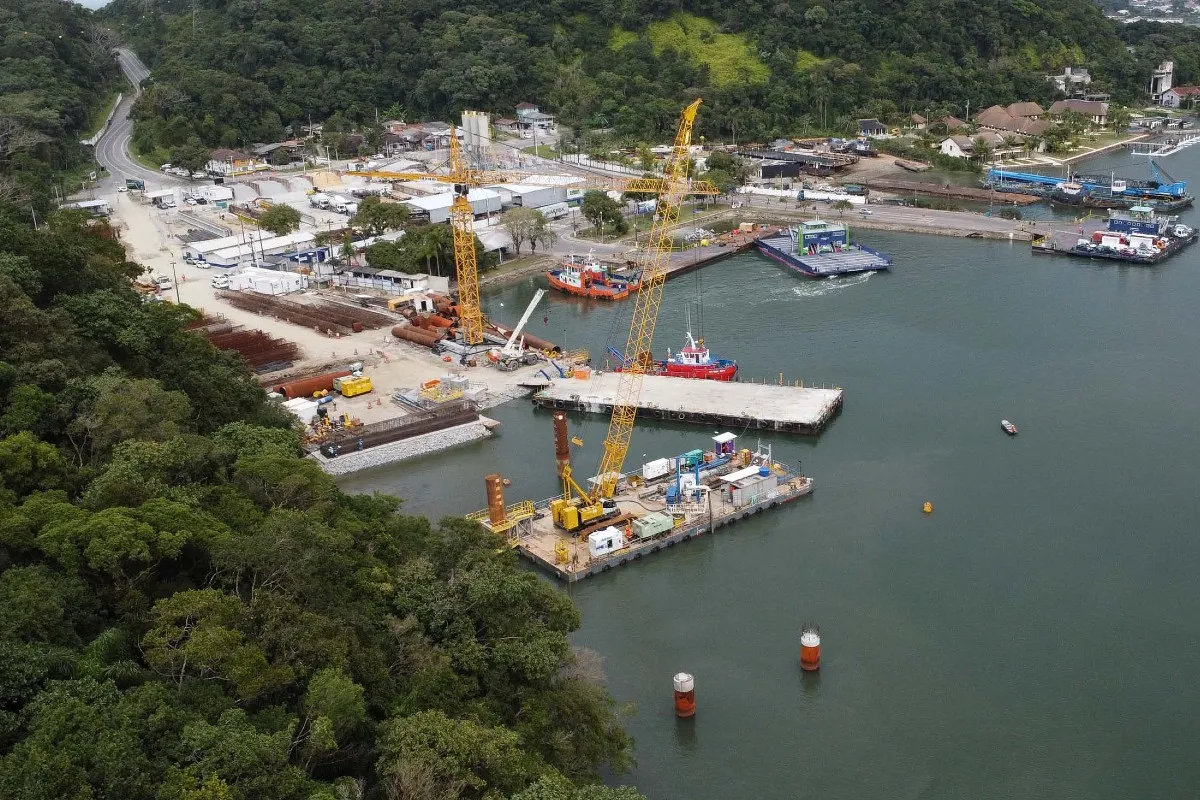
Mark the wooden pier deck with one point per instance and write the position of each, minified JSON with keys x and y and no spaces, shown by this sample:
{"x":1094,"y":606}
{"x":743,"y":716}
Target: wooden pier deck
{"x":792,"y":409}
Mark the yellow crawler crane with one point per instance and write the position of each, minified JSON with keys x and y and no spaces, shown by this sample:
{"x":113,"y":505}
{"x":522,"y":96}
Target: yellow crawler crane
{"x":674,"y":187}
{"x":462,"y":216}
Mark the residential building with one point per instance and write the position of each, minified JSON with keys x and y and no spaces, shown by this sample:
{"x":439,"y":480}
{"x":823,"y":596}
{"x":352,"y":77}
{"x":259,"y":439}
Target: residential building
{"x":1094,"y":110}
{"x":998,"y":118}
{"x":1162,"y":79}
{"x":1026,"y":110}
{"x":1180,"y":97}
{"x":957,"y":146}
{"x":952,"y":124}
{"x":964,"y":146}
{"x":233,"y":162}
{"x":872,"y":128}
{"x":1071,"y":81}
{"x":530,"y":116}
{"x":918,"y":122}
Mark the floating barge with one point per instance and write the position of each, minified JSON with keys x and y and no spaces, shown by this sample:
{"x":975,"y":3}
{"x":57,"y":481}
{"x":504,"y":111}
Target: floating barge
{"x":1138,"y":236}
{"x":952,"y":192}
{"x":819,"y":249}
{"x":651,"y":511}
{"x":790,"y":409}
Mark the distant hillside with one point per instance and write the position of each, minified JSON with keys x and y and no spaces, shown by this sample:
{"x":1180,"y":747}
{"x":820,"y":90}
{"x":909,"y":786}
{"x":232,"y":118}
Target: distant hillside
{"x":232,"y":71}
{"x":56,"y":72}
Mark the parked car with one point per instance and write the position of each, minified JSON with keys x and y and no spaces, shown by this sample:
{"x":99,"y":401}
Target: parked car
{"x":162,"y":282}
{"x":220,"y":282}
{"x":166,"y":167}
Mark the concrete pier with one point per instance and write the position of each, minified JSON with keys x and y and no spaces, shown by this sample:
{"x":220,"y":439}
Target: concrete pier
{"x":792,"y":409}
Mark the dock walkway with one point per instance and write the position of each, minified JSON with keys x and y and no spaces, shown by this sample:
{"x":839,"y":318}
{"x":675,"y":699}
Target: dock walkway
{"x":792,"y":409}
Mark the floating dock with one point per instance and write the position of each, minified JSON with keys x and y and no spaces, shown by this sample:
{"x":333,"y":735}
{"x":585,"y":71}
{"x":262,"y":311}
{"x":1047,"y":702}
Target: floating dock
{"x":847,"y":261}
{"x":654,"y":508}
{"x":791,"y":409}
{"x":545,"y":545}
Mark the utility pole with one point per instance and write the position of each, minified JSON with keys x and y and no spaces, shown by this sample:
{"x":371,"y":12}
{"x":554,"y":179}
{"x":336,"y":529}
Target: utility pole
{"x":175,"y":279}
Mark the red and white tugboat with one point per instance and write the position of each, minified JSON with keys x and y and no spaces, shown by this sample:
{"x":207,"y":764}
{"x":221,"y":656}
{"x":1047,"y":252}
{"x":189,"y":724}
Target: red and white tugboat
{"x":693,"y":361}
{"x":589,"y":277}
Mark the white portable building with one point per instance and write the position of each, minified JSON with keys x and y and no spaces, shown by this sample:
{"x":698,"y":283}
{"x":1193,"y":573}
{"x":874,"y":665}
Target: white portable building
{"x":609,"y":540}
{"x":267,"y":281}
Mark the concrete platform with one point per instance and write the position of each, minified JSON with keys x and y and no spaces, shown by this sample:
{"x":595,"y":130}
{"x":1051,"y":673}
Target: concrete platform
{"x":793,"y":409}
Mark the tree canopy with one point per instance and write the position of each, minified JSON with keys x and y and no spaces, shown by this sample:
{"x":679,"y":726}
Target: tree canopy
{"x":628,"y":66}
{"x":191,"y":610}
{"x":56,"y":75}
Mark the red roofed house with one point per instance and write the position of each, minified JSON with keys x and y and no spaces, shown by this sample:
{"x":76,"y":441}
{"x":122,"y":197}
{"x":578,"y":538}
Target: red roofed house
{"x":1181,"y":97}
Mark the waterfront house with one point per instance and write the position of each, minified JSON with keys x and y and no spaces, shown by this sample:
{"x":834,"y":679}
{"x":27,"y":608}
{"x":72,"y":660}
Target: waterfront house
{"x":1180,"y":97}
{"x":1094,"y":110}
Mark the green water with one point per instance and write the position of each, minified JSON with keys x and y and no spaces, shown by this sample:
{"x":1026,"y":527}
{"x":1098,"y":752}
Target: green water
{"x":1036,"y":636}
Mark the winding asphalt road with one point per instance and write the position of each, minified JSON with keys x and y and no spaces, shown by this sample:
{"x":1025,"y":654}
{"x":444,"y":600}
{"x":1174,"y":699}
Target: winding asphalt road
{"x":112,"y":151}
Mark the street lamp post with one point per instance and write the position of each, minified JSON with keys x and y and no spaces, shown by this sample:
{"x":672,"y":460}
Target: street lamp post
{"x":175,"y":279}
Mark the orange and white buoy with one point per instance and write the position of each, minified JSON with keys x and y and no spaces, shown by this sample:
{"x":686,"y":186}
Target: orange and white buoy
{"x":810,"y":648}
{"x":685,"y":695}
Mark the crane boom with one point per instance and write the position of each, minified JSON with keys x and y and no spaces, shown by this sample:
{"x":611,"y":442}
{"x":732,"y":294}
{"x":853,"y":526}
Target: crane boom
{"x":673,"y":188}
{"x":511,"y":343}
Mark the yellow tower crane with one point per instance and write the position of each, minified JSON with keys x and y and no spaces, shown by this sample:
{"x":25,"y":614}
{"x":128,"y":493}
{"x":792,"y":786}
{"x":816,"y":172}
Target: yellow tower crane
{"x":462,"y":217}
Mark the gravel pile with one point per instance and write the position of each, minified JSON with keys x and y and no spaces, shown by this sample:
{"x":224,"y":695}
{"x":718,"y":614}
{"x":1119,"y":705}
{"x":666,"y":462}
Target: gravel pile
{"x":405,"y":448}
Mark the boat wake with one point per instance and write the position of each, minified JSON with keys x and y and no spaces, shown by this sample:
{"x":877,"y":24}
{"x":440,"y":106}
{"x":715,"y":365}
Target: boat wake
{"x":835,"y":283}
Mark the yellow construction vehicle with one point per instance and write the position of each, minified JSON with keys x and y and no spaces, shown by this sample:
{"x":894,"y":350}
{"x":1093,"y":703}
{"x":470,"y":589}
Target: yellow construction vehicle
{"x":576,"y":508}
{"x":462,"y":216}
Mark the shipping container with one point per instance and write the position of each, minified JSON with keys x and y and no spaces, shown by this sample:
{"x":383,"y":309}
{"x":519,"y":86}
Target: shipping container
{"x":352,"y":387}
{"x":652,"y":525}
{"x":657,"y":468}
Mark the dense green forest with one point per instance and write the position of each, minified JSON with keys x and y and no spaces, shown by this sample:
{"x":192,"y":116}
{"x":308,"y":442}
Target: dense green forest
{"x":231,"y":72}
{"x":189,"y":610}
{"x":56,"y":74}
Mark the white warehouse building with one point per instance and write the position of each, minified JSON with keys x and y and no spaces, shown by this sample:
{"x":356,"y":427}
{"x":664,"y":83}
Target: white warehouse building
{"x":523,"y":195}
{"x":198,"y":251}
{"x":254,"y":251}
{"x":483,"y":201}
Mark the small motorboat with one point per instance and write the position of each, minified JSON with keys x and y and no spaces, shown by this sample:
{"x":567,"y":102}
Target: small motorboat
{"x":1008,"y":427}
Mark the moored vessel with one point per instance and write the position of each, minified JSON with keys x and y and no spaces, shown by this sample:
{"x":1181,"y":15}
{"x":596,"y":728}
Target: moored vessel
{"x":590,"y":277}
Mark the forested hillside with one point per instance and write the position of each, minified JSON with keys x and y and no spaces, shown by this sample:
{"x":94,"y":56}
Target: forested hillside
{"x":232,"y":71}
{"x":56,"y":72}
{"x":191,"y":611}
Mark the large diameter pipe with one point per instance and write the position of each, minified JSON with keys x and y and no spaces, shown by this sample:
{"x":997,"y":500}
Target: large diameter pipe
{"x":416,"y":335}
{"x":562,"y":444}
{"x":494,"y":484}
{"x":538,"y":343}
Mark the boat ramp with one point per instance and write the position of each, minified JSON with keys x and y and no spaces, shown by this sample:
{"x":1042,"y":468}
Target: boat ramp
{"x":791,"y":409}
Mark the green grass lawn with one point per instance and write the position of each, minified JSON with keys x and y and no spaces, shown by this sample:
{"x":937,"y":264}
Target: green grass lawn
{"x":542,"y":150}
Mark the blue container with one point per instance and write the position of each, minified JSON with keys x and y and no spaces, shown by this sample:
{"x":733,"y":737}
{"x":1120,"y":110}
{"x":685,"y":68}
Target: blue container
{"x":764,"y":471}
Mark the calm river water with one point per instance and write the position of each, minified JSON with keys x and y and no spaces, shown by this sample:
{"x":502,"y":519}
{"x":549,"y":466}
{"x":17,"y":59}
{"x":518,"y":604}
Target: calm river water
{"x":1036,"y":636}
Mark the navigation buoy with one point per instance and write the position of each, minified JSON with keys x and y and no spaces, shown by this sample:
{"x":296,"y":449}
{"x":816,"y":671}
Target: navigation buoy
{"x":685,"y":695}
{"x":810,"y":648}
{"x":928,"y":507}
